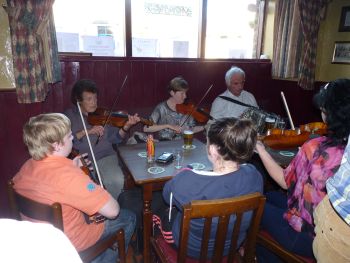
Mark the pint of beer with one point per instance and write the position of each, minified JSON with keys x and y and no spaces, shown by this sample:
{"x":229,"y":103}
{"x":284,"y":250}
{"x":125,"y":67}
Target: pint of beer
{"x":269,"y":124}
{"x":188,"y":138}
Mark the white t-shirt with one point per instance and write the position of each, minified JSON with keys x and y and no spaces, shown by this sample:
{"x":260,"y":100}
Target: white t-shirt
{"x":222,"y":108}
{"x":24,"y":241}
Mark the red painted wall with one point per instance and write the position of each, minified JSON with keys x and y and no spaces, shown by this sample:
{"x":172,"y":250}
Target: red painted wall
{"x":146,"y":86}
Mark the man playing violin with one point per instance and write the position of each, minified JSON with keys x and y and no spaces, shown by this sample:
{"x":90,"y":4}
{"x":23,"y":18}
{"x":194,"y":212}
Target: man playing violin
{"x":49,"y":176}
{"x":167,"y":121}
{"x":221,"y":107}
{"x":102,"y":138}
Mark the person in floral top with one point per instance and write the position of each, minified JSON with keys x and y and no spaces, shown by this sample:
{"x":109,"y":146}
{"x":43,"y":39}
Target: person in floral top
{"x":289,"y":217}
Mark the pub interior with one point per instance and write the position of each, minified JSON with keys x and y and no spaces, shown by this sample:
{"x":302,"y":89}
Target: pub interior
{"x":267,"y":74}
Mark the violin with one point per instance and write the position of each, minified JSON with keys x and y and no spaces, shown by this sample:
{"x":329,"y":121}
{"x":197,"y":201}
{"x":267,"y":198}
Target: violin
{"x":201,"y":115}
{"x":285,"y":139}
{"x":96,"y":218}
{"x":117,"y":119}
{"x":85,"y":167}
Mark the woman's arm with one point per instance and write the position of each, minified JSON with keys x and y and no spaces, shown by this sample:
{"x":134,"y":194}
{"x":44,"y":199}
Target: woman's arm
{"x":198,"y":129}
{"x":275,"y":171}
{"x":156,"y":127}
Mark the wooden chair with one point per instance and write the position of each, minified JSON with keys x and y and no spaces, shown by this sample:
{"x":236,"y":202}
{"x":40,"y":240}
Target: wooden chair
{"x":208,"y":209}
{"x":265,"y":239}
{"x":21,"y":205}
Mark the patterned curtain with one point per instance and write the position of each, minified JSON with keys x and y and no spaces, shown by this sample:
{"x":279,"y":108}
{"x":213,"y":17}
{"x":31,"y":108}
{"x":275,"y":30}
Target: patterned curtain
{"x":34,"y":48}
{"x":311,"y":13}
{"x":287,"y":40}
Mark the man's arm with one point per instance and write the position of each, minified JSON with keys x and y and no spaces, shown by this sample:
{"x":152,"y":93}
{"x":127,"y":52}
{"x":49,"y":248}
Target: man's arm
{"x":110,"y":209}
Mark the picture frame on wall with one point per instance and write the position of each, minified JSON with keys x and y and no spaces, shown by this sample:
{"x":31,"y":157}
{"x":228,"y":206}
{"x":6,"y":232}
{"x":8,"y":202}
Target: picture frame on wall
{"x":341,"y":53}
{"x":344,"y":24}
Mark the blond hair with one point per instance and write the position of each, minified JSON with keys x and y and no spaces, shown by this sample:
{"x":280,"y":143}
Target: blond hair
{"x":41,"y":131}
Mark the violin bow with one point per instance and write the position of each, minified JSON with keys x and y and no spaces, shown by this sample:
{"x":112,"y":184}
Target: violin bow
{"x":114,"y":103}
{"x":200,"y":101}
{"x":89,"y":142}
{"x":287,"y":109}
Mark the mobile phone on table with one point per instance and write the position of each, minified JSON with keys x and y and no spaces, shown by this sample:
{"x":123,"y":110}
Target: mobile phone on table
{"x":165,"y":157}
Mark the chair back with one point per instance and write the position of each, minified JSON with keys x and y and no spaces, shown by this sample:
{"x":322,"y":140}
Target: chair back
{"x":21,"y":205}
{"x":223,"y":209}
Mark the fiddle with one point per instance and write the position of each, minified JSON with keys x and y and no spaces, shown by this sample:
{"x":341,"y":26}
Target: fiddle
{"x":85,"y":167}
{"x":102,"y":116}
{"x":286,"y":139}
{"x":96,"y":218}
{"x":201,"y":115}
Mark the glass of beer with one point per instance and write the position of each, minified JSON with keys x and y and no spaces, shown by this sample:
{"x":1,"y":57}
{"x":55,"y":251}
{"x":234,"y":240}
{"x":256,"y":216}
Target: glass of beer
{"x":269,"y":124}
{"x":188,"y":138}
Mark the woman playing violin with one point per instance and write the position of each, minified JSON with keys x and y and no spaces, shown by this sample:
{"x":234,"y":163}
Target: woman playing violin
{"x":167,"y":121}
{"x":289,"y":217}
{"x":85,"y":92}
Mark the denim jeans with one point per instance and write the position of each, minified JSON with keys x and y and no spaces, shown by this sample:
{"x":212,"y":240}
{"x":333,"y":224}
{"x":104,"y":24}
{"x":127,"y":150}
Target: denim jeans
{"x":273,"y":222}
{"x":126,"y":220}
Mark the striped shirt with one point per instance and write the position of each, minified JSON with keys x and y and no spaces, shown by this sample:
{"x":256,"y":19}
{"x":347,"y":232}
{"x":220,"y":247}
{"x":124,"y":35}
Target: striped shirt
{"x":338,"y":187}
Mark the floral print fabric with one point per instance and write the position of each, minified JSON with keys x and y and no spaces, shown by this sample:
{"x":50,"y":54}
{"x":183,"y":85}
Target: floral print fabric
{"x":306,"y":178}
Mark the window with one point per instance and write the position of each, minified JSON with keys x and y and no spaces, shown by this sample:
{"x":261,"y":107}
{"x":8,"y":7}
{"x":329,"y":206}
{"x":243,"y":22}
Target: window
{"x":160,"y":28}
{"x":165,"y":28}
{"x":231,"y":27}
{"x":95,"y":27}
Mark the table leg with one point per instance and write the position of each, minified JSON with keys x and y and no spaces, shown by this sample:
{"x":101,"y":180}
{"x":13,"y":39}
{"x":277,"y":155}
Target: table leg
{"x":147,"y":221}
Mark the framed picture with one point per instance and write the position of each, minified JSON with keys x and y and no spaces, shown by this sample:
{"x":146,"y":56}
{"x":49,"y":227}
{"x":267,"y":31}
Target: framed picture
{"x":341,"y":53}
{"x":344,"y":25}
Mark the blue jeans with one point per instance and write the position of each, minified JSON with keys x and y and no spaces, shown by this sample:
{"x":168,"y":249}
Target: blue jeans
{"x":273,"y":222}
{"x":126,"y":220}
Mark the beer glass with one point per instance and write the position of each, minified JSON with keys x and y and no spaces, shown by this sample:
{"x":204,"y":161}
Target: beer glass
{"x":269,"y":124}
{"x":188,"y":138}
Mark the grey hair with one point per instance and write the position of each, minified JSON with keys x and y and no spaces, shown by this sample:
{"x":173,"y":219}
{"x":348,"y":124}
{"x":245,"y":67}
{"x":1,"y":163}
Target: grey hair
{"x":233,"y":71}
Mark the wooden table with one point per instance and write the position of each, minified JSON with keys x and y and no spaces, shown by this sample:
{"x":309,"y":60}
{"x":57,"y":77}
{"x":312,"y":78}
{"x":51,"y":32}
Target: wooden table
{"x":137,"y":167}
{"x":282,"y":157}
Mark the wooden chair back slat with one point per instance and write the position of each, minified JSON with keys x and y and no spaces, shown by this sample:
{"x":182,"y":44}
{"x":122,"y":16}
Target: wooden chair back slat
{"x":235,"y":235}
{"x":220,"y":237}
{"x":205,"y":239}
{"x":249,"y":254}
{"x":185,"y":229}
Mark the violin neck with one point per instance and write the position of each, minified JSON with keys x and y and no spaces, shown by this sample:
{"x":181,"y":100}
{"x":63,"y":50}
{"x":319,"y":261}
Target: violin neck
{"x":146,"y":121}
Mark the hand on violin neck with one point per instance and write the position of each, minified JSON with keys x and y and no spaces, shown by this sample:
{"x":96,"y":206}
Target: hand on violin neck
{"x":77,"y":160}
{"x":132,"y":120}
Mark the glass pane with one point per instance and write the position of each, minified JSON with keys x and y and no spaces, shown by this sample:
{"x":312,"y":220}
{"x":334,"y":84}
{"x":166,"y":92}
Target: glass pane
{"x":90,"y":26}
{"x":165,"y":28}
{"x":231,"y":25}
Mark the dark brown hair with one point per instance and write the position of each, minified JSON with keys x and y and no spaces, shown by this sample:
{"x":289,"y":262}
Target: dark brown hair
{"x":80,"y":86}
{"x":234,"y":138}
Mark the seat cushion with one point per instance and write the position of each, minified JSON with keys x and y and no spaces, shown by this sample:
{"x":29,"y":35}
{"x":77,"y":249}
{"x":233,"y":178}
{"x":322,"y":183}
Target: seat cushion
{"x":267,"y":235}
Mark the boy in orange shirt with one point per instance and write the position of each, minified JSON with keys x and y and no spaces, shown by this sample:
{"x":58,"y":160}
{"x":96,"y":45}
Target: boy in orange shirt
{"x":49,"y":176}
